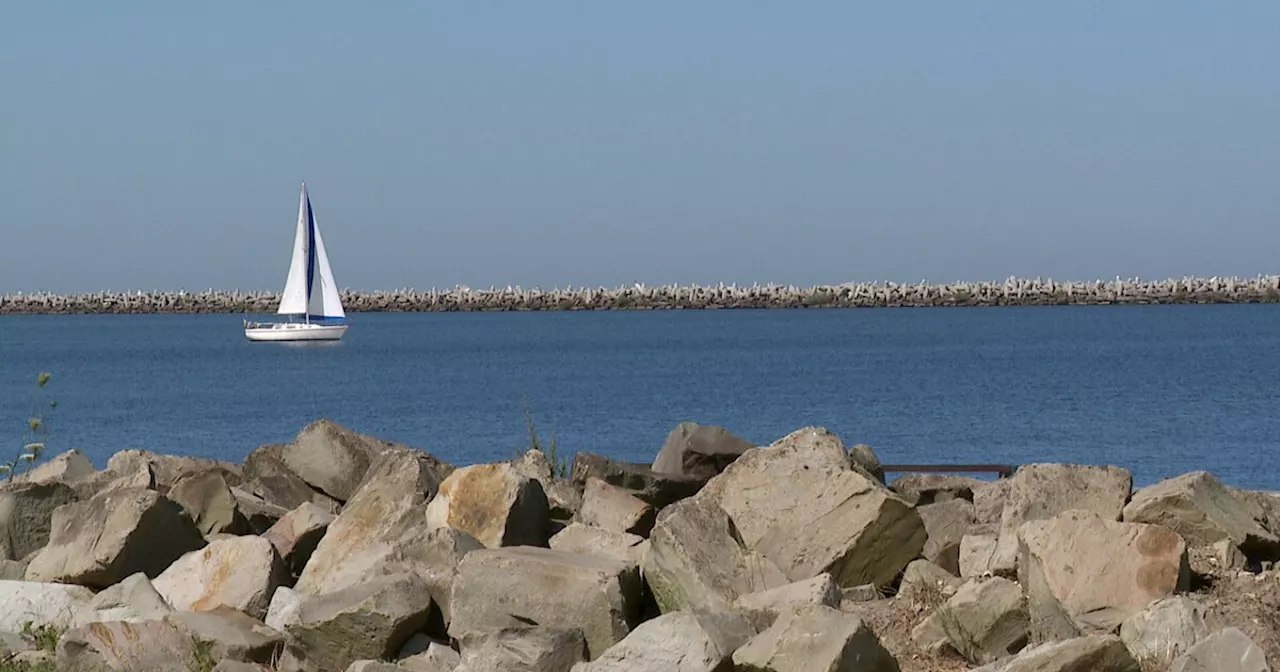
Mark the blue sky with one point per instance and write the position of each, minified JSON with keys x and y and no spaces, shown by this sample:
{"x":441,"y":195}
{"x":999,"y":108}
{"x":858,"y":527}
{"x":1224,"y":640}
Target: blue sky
{"x":160,"y":145}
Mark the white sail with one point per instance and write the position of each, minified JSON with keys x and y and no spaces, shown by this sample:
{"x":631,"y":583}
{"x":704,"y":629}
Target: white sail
{"x":293,"y":301}
{"x":324,"y":291}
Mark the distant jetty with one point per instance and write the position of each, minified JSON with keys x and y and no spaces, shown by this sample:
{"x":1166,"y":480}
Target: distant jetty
{"x":1011,"y":292}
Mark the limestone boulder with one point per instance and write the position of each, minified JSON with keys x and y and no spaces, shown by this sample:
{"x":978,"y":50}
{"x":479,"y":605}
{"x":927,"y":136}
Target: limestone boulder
{"x":989,"y":500}
{"x":509,"y":587}
{"x":283,"y":610}
{"x":1085,"y":574}
{"x":588,"y":540}
{"x":268,"y":477}
{"x":371,"y":620}
{"x":986,"y":620}
{"x":119,"y":532}
{"x":133,"y":600}
{"x":423,"y":654}
{"x":977,"y":555}
{"x":207,"y":498}
{"x":296,"y":534}
{"x":494,"y":503}
{"x":237,"y":572}
{"x":699,"y":451}
{"x":41,"y":603}
{"x":1166,"y":628}
{"x":1228,"y":650}
{"x":259,"y":513}
{"x":764,"y":607}
{"x":136,"y":474}
{"x":522,"y":649}
{"x":657,"y":489}
{"x":563,"y":498}
{"x":815,"y":639}
{"x":695,"y":560}
{"x":26,"y":513}
{"x":682,"y":641}
{"x":1042,"y":491}
{"x":865,"y":459}
{"x":336,"y":460}
{"x":945,"y":524}
{"x":63,"y":468}
{"x":126,"y":646}
{"x":230,"y":634}
{"x":13,"y":570}
{"x":1201,"y":509}
{"x":801,"y":504}
{"x":924,"y":489}
{"x":169,"y":469}
{"x":613,"y":508}
{"x":1096,"y":653}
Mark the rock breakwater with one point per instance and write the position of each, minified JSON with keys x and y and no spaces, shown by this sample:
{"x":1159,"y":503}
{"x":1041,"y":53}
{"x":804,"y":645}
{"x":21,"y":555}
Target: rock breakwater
{"x":1011,"y":292}
{"x":718,"y":556}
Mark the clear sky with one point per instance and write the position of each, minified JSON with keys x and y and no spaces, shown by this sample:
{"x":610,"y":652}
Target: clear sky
{"x":161,"y":145}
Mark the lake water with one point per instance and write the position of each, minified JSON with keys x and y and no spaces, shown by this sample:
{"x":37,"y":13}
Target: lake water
{"x":1160,"y":389}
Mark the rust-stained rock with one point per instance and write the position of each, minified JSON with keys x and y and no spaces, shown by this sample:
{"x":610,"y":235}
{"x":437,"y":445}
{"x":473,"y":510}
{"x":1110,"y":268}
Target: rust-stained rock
{"x":130,"y":647}
{"x":494,"y":503}
{"x":237,"y":572}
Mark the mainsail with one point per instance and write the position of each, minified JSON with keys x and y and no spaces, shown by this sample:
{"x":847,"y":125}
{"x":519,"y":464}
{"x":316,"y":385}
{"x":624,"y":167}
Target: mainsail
{"x":309,"y":289}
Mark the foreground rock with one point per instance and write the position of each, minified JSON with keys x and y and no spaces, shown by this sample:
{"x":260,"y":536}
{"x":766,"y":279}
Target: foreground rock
{"x":946,"y":524}
{"x":986,"y":620}
{"x":371,"y":620}
{"x":765,"y":606}
{"x":925,"y":489}
{"x":523,"y":648}
{"x":494,"y":503}
{"x":41,"y":603}
{"x":683,"y":641}
{"x":511,"y":587}
{"x":140,"y":647}
{"x":815,"y":639}
{"x":1203,"y":510}
{"x":613,"y":508}
{"x":237,"y":572}
{"x":563,"y":499}
{"x":26,"y":514}
{"x":101,"y":541}
{"x":1098,"y":653}
{"x":588,"y":540}
{"x":267,"y":476}
{"x":133,"y":600}
{"x":1085,"y":574}
{"x":1167,"y":628}
{"x":229,"y":634}
{"x":207,"y":498}
{"x":1228,"y":650}
{"x":296,"y":534}
{"x":699,"y":451}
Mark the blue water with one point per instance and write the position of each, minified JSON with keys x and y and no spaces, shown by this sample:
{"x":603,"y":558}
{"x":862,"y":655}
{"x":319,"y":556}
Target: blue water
{"x":1161,"y":390}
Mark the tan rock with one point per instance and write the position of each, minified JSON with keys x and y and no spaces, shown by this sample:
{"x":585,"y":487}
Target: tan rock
{"x":268,"y":477}
{"x":134,"y":600}
{"x":64,"y":467}
{"x":297,"y":533}
{"x":562,"y":497}
{"x":1201,"y":509}
{"x":681,"y":641}
{"x":331,"y":458}
{"x":658,"y":490}
{"x":986,"y":620}
{"x":230,"y":634}
{"x":133,"y":647}
{"x":612,"y":508}
{"x":522,"y":649}
{"x":946,"y":523}
{"x":815,"y":639}
{"x":26,"y":514}
{"x":207,"y":498}
{"x":977,"y":554}
{"x":1228,"y":650}
{"x":1097,"y":653}
{"x":237,"y":572}
{"x":493,"y":503}
{"x":765,"y":606}
{"x":371,"y":620}
{"x":925,"y":583}
{"x":588,"y":540}
{"x":169,"y":469}
{"x":699,"y":451}
{"x":1166,"y":628}
{"x":925,"y":489}
{"x":41,"y":603}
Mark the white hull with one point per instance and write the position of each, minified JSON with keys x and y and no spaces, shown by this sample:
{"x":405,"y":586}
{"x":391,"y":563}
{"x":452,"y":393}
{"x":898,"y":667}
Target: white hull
{"x":294,"y":331}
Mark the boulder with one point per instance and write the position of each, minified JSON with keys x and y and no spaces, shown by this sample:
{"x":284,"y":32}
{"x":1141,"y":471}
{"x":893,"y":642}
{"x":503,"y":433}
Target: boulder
{"x":41,"y":603}
{"x":977,"y":555}
{"x":682,"y":641}
{"x":612,"y":508}
{"x":283,"y":609}
{"x":699,"y":451}
{"x":296,"y":534}
{"x":924,"y":489}
{"x":1166,"y":628}
{"x":522,"y":649}
{"x":1203,"y":510}
{"x":169,"y":469}
{"x":865,"y":459}
{"x":237,"y":572}
{"x":64,"y":467}
{"x":230,"y":634}
{"x":986,"y":620}
{"x":207,"y":498}
{"x":26,"y":512}
{"x":423,"y":654}
{"x":658,"y":490}
{"x":336,"y":460}
{"x":1085,"y":574}
{"x":695,"y":560}
{"x":133,"y":600}
{"x":259,"y":513}
{"x":1228,"y":650}
{"x":509,"y":587}
{"x":588,"y":540}
{"x":945,"y":523}
{"x":371,"y":620}
{"x":13,"y":570}
{"x":373,"y":523}
{"x":563,"y":499}
{"x":1042,"y":491}
{"x":926,"y":583}
{"x":125,"y":646}
{"x":137,"y":474}
{"x":1097,"y":653}
{"x":494,"y":503}
{"x":989,"y":500}
{"x":268,"y":477}
{"x":119,"y":532}
{"x":763,"y":607}
{"x":801,"y":504}
{"x":815,"y":639}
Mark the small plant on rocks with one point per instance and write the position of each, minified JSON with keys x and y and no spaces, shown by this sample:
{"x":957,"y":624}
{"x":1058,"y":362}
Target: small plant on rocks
{"x":37,"y":431}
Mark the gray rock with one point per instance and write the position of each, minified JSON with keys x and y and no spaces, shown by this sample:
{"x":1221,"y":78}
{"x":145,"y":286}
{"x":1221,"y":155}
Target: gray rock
{"x":1166,"y":628}
{"x":230,"y":634}
{"x":1042,"y":491}
{"x":682,"y":641}
{"x":207,"y":498}
{"x":134,"y":647}
{"x":41,"y":603}
{"x":332,"y":458}
{"x":1203,"y":510}
{"x":616,"y":509}
{"x":946,"y":523}
{"x":64,"y":467}
{"x":986,"y":620}
{"x":1097,"y":653}
{"x":237,"y":572}
{"x":579,"y":538}
{"x":815,"y":639}
{"x":494,"y":503}
{"x":926,"y":583}
{"x":563,"y":499}
{"x":371,"y":620}
{"x":297,"y":533}
{"x":865,"y":459}
{"x":373,"y":666}
{"x":1228,"y":650}
{"x":867,"y":592}
{"x":989,"y":500}
{"x":13,"y":570}
{"x":925,"y":489}
{"x":169,"y":469}
{"x":283,"y":610}
{"x":1085,"y":574}
{"x":119,"y":532}
{"x":699,"y":451}
{"x":259,"y":513}
{"x":659,"y":490}
{"x":423,"y":654}
{"x":764,"y":606}
{"x":977,"y":554}
{"x":928,"y":636}
{"x":268,"y":477}
{"x":510,"y":587}
{"x":26,"y":512}
{"x":522,"y":649}
{"x":133,"y":600}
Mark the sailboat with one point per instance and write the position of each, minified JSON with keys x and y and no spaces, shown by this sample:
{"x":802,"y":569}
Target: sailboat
{"x":310,"y":292}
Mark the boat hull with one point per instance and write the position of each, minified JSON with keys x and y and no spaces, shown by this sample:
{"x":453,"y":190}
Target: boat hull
{"x":294,"y":331}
